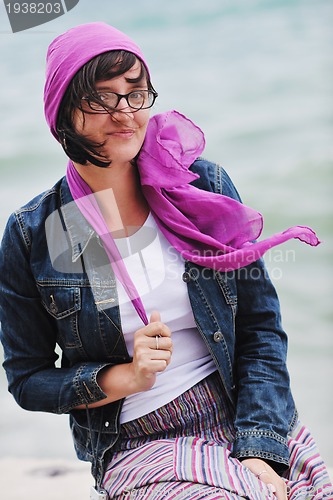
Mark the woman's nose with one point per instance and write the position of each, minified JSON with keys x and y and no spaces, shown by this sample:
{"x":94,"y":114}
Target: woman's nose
{"x":123,"y":112}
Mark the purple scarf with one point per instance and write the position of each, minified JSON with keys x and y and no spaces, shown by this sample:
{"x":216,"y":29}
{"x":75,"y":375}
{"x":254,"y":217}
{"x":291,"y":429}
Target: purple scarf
{"x":208,"y":229}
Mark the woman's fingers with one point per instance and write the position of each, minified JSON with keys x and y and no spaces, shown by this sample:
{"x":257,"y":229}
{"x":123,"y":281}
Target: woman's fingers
{"x":155,"y":316}
{"x":152,"y":350}
{"x":268,"y":476}
{"x":155,"y":340}
{"x":161,"y":354}
{"x":156,"y":334}
{"x":156,"y":327}
{"x":160,"y":343}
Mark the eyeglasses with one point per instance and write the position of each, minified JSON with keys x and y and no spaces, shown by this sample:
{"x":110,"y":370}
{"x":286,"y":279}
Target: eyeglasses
{"x":104,"y":102}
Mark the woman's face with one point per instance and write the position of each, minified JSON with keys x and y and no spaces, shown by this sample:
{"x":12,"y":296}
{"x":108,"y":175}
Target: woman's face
{"x":123,"y":131}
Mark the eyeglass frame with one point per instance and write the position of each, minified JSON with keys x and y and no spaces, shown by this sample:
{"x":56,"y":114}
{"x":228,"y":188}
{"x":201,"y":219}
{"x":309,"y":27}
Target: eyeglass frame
{"x":107,"y":108}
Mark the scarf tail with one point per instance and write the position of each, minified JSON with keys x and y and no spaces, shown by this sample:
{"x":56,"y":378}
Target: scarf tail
{"x":88,"y":206}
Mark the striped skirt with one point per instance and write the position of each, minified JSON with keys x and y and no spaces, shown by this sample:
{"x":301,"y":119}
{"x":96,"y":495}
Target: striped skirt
{"x":183,"y":451}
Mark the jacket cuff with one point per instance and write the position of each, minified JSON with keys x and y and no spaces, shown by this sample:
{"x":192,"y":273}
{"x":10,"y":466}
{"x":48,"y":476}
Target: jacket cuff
{"x":85,"y":385}
{"x":266,"y":445}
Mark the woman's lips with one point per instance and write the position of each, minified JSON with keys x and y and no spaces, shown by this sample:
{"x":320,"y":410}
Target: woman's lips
{"x":122,"y":134}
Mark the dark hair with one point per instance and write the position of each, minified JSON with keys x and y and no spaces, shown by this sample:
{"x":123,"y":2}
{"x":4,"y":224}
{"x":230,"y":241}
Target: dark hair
{"x":102,"y":67}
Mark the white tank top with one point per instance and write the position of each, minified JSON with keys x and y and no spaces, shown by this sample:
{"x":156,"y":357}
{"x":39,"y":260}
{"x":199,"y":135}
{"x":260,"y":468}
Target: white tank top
{"x":156,"y":270}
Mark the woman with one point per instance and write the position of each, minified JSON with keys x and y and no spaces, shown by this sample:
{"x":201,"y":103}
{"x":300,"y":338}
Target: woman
{"x":140,"y":264}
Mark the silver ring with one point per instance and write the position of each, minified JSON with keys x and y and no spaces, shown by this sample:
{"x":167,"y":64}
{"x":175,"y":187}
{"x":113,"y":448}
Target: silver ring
{"x":262,"y":472}
{"x":157,"y":344}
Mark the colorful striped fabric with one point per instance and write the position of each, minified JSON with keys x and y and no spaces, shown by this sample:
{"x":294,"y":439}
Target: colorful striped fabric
{"x":307,"y":476}
{"x":183,"y":451}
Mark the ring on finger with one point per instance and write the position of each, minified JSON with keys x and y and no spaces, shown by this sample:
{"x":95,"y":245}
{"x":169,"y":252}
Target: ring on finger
{"x":262,"y":472}
{"x":157,"y":342}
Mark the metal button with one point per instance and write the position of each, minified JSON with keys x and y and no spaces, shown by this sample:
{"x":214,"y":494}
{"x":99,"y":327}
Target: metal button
{"x":107,"y":424}
{"x":186,"y":277}
{"x":53,"y":305}
{"x":218,"y":336}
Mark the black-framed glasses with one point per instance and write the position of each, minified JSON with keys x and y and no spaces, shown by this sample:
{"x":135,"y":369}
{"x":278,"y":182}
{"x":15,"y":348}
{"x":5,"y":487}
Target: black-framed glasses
{"x":104,"y":102}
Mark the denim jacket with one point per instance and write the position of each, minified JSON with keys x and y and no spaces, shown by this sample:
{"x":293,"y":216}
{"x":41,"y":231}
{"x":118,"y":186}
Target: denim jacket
{"x":47,"y":300}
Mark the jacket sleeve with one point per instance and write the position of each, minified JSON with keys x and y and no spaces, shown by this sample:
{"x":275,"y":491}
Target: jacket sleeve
{"x":260,"y":366}
{"x":28,"y":336}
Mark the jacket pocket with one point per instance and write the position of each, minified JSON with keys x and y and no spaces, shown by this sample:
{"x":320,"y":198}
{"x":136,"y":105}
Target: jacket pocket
{"x":63,"y":304}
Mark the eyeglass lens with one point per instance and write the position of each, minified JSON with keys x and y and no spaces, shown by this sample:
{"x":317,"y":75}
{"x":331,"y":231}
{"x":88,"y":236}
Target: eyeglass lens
{"x":137,"y":100}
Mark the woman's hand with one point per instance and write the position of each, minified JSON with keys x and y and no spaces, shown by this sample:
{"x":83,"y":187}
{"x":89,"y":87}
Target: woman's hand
{"x":267,"y":475}
{"x":152,"y":352}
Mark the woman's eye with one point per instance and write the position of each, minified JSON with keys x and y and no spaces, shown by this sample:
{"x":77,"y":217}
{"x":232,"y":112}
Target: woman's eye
{"x":103,"y":97}
{"x":136,"y":95}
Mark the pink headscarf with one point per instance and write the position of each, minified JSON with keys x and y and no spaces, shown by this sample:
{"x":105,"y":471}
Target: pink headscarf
{"x":209,"y":229}
{"x":72,"y":50}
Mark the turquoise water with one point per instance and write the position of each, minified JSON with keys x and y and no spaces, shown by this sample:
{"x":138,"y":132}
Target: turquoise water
{"x":257,"y":77}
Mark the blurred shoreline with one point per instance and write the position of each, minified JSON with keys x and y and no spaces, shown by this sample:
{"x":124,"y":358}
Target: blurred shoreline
{"x":34,"y":479}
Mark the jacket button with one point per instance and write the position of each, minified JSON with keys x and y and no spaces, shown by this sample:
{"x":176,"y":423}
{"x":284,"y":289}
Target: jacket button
{"x":53,"y":308}
{"x":53,"y":305}
{"x":186,"y":277}
{"x":107,"y":424}
{"x":218,"y":336}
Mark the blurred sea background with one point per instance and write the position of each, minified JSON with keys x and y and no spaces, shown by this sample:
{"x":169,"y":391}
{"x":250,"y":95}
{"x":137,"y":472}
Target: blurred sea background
{"x":256,"y":76}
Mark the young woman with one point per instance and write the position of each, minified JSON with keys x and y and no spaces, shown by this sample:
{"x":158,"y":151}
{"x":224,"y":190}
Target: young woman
{"x":142,"y":265}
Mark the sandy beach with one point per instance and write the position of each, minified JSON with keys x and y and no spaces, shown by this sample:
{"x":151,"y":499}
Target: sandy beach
{"x":32,"y":479}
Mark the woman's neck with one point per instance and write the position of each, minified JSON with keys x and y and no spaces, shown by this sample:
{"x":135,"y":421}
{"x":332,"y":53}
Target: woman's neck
{"x":119,"y":195}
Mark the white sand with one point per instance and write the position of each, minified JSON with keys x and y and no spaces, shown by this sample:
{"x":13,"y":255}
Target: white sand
{"x":32,"y":479}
